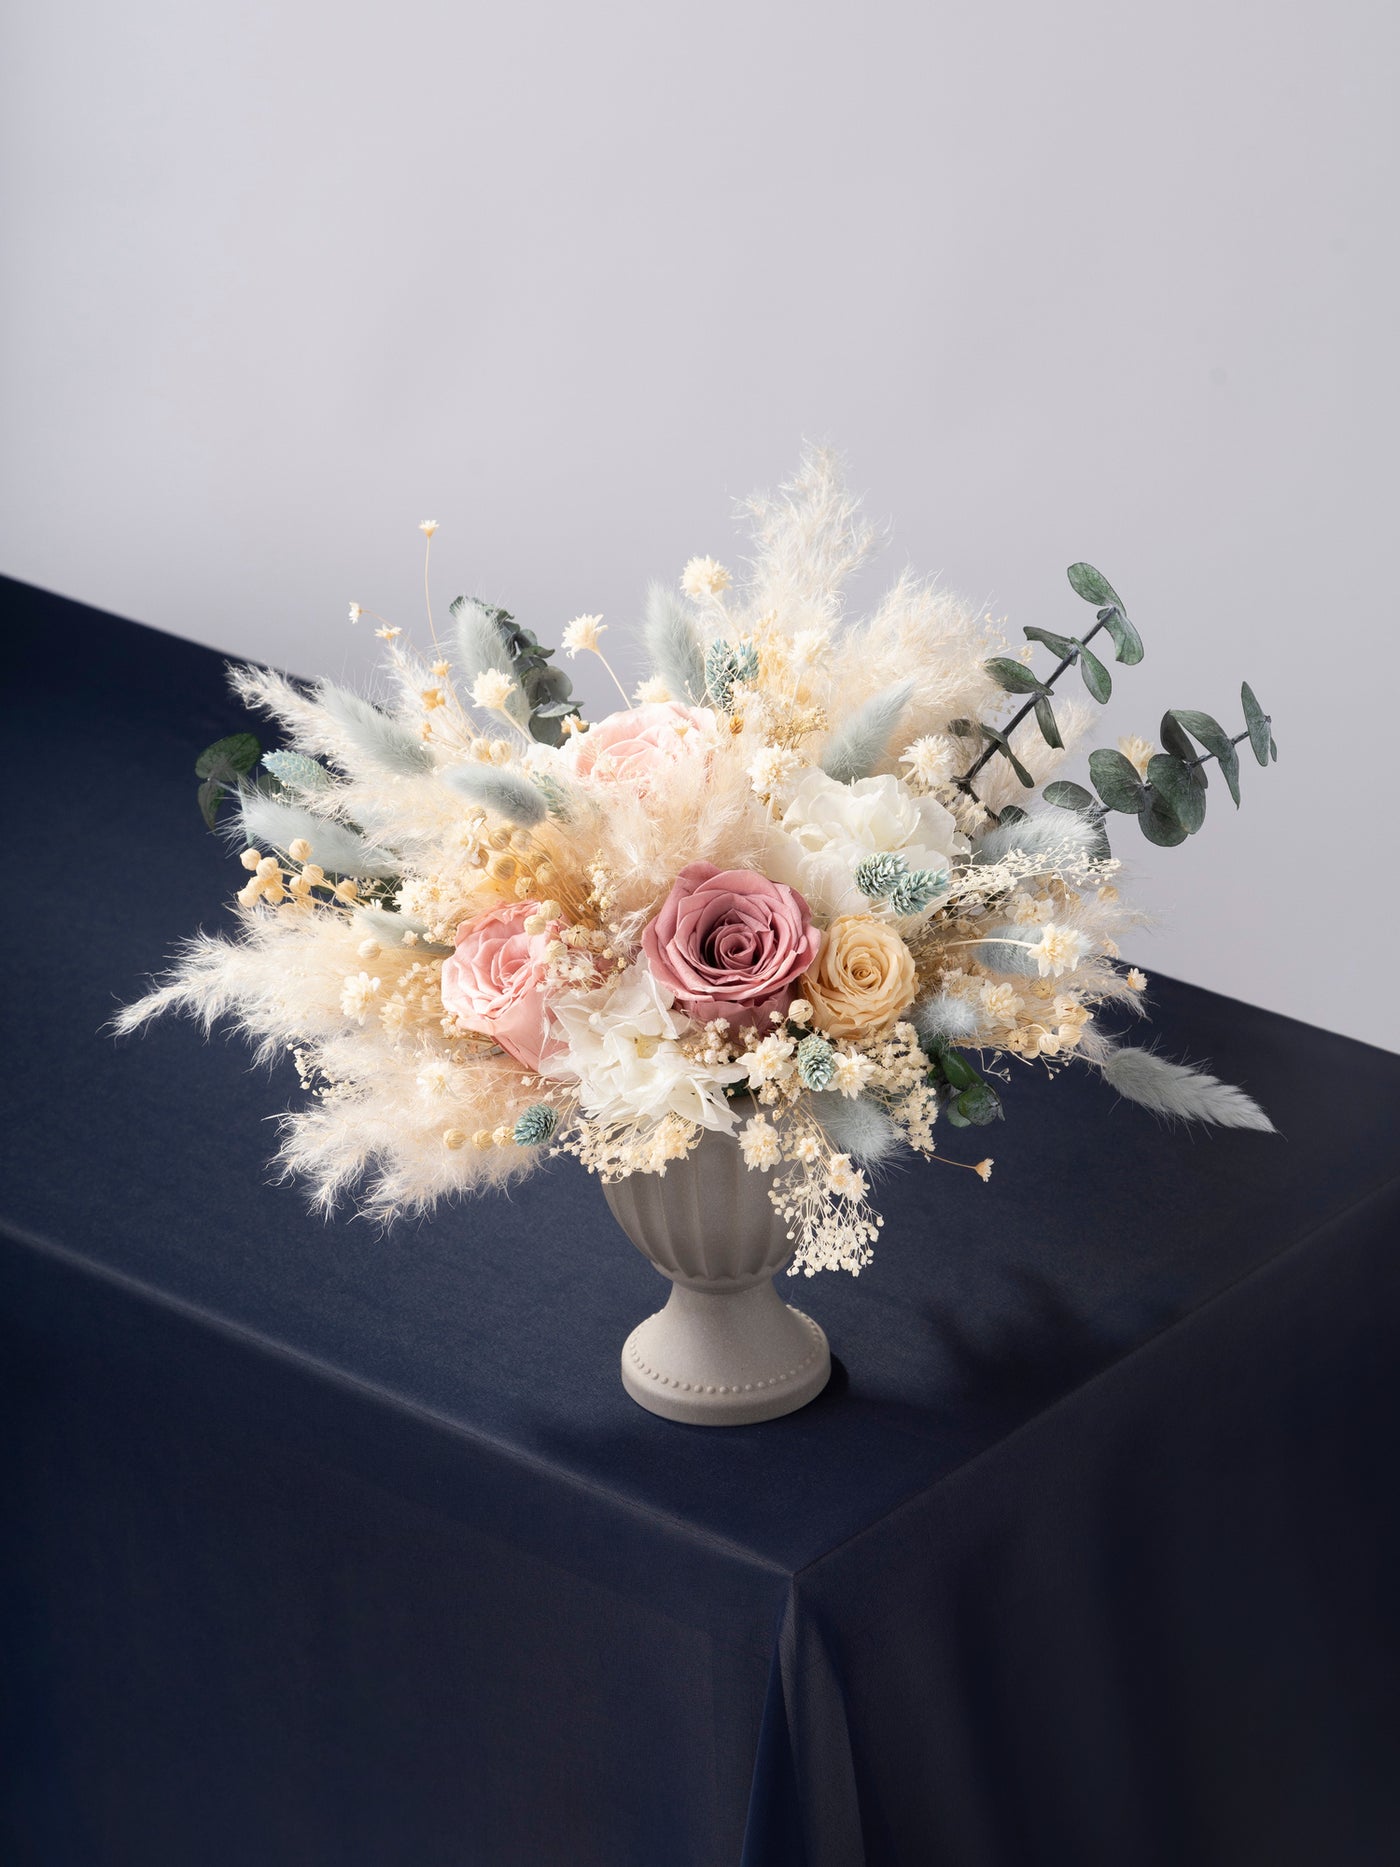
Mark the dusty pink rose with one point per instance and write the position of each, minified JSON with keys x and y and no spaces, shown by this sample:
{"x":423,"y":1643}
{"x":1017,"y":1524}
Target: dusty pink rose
{"x":635,"y":745}
{"x":730,"y":944}
{"x":494,"y":982}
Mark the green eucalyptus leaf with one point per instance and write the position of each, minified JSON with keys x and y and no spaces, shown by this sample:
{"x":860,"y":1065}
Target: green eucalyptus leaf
{"x":1127,"y":643}
{"x":1014,"y":676}
{"x":1173,"y":779}
{"x":1273,"y":749}
{"x":955,"y":1118}
{"x":979,"y":1105}
{"x":1068,"y":796}
{"x":1229,"y":762}
{"x":1045,"y":720}
{"x":1011,"y":813}
{"x":238,"y":754}
{"x":956,"y":1070}
{"x":1064,"y":646}
{"x":964,"y":729}
{"x":1202,"y":726}
{"x":1020,"y":770}
{"x":1096,"y":676}
{"x":209,"y":797}
{"x":1092,"y":585}
{"x":1174,"y":740}
{"x":1116,"y":781}
{"x":1257,"y":723}
{"x":1159,"y":823}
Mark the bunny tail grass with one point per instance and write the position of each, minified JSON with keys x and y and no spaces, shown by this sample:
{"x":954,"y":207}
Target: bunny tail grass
{"x":1182,"y":1092}
{"x":505,"y":793}
{"x":855,"y":749}
{"x":856,"y":1126}
{"x":674,"y":645}
{"x":340,"y":851}
{"x":379,"y":740}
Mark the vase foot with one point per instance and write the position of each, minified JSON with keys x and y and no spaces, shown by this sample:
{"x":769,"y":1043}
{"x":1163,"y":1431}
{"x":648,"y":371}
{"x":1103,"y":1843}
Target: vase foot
{"x":725,"y":1359}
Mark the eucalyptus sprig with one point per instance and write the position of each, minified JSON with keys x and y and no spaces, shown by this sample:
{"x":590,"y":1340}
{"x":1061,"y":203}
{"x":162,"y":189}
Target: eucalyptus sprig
{"x":220,"y":768}
{"x":1169,"y":800}
{"x":548,"y":691}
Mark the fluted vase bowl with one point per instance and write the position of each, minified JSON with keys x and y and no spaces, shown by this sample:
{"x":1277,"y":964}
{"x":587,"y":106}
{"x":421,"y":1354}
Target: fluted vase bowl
{"x":725,"y":1350}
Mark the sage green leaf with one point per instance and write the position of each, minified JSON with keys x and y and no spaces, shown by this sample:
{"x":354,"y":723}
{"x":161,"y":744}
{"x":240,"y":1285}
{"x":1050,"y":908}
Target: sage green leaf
{"x":1174,"y":780}
{"x":209,"y":796}
{"x":956,"y":1070}
{"x":1256,"y":722}
{"x":1273,"y":749}
{"x":1214,"y":738}
{"x":1092,"y":585}
{"x":979,"y":1105}
{"x":954,"y":1118}
{"x":1159,"y":823}
{"x":1068,"y":796}
{"x":1116,"y":781}
{"x":1174,"y":740}
{"x":1096,"y":676}
{"x":1018,"y":767}
{"x":1045,"y":720}
{"x":1127,"y":643}
{"x":237,"y":754}
{"x":1064,"y":646}
{"x":1011,"y":813}
{"x":1210,"y":732}
{"x":964,"y":729}
{"x":1014,"y":676}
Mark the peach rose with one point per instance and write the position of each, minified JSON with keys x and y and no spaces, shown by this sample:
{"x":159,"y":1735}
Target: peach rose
{"x":494,"y":982}
{"x":633,"y":746}
{"x":863,"y":978}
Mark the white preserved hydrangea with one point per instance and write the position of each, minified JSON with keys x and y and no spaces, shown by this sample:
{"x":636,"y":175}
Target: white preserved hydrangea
{"x":828,"y":829}
{"x":624,"y":1054}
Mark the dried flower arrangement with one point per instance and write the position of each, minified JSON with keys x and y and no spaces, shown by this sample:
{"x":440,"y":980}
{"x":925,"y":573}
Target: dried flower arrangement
{"x":786,"y":891}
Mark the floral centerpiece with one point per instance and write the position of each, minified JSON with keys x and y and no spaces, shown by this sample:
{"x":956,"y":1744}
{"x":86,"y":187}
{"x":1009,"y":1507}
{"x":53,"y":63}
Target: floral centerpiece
{"x":814,"y":884}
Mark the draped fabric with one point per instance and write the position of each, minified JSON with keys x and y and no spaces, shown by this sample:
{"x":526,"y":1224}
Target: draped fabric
{"x":327,"y":1549}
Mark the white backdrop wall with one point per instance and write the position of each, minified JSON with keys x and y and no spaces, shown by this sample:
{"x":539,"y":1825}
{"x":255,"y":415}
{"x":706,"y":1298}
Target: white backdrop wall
{"x":1092,"y":280}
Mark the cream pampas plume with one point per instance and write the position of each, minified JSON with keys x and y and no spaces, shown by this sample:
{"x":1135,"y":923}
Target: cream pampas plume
{"x":1182,"y":1092}
{"x":505,"y":793}
{"x":857,"y":747}
{"x":339,"y":850}
{"x":674,"y":644}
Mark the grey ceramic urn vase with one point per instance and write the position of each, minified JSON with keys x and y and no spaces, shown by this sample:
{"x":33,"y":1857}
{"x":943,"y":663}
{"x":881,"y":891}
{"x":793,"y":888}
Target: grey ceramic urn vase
{"x":725,"y":1350}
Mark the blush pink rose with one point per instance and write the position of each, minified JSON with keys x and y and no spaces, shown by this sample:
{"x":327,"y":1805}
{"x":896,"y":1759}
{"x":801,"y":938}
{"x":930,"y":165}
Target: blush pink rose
{"x":635,"y":745}
{"x":494,"y":982}
{"x":730,"y":944}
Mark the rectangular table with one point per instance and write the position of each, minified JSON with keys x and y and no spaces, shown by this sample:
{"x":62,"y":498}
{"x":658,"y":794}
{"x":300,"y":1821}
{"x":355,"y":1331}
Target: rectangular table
{"x":327,"y":1548}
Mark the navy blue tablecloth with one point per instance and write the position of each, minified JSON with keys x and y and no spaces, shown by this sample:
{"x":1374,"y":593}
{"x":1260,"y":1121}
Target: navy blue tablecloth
{"x":323,"y":1549}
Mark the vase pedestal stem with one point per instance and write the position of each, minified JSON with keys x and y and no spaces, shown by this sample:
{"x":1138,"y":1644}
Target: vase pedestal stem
{"x":725,"y":1358}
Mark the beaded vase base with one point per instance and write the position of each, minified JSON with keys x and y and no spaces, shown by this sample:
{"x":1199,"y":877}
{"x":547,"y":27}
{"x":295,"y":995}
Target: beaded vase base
{"x":725,"y":1350}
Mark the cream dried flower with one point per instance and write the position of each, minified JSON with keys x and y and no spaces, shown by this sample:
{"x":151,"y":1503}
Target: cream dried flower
{"x":852,"y":1072}
{"x":704,"y":577}
{"x":427,"y":527}
{"x":1137,"y":752}
{"x":1058,"y":950}
{"x":772,"y":768}
{"x":581,"y":635}
{"x":652,"y":690}
{"x":846,"y":1180}
{"x":983,"y":1169}
{"x":356,"y":995}
{"x":1137,"y":981}
{"x":1001,"y":1003}
{"x":759,"y":1141}
{"x":355,"y":612}
{"x":492,"y":689}
{"x":929,"y":759}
